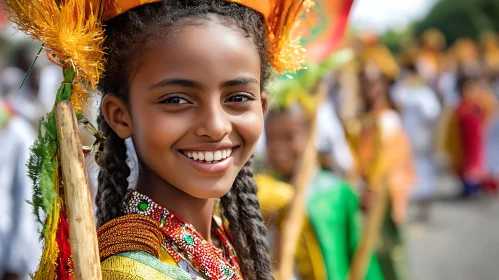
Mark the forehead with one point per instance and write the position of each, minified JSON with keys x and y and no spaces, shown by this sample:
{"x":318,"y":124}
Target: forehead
{"x":283,"y":122}
{"x":209,"y":51}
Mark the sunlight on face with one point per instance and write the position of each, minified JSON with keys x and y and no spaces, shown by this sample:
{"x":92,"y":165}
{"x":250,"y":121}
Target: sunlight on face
{"x":196,"y":108}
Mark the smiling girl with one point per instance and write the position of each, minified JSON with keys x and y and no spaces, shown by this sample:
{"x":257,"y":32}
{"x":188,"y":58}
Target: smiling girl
{"x":184,"y":80}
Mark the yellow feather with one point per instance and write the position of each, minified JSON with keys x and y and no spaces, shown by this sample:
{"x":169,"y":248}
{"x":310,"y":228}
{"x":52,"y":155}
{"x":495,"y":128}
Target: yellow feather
{"x":74,"y":36}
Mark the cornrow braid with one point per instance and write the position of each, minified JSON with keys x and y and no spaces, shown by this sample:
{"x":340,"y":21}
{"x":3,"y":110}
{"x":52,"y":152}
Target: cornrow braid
{"x":241,"y":208}
{"x":113,"y":183}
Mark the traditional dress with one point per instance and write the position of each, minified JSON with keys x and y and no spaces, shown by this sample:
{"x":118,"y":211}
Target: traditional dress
{"x":466,"y":141}
{"x":332,"y":228}
{"x":384,"y":159}
{"x":150,"y":242}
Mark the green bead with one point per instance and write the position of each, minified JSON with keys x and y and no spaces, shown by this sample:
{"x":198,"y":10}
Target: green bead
{"x":143,"y":206}
{"x":227,"y":271}
{"x":189,"y":239}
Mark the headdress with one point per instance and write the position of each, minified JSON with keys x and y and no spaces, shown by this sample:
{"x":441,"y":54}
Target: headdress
{"x":377,"y":57}
{"x":71,"y":32}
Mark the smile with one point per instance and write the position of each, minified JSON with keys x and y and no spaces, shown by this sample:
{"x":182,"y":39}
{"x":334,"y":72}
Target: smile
{"x":209,"y":156}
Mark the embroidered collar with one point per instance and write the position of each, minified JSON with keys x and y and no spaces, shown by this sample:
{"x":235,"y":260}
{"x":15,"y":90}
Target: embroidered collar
{"x":183,"y":242}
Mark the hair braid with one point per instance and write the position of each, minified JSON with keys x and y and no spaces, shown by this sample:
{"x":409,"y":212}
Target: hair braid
{"x":242,"y":210}
{"x":113,"y":183}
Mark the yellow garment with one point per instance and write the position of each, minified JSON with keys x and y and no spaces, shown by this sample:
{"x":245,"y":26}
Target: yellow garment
{"x":272,"y":194}
{"x":309,"y":259}
{"x":274,"y":197}
{"x":142,"y":266}
{"x":383,"y":155}
{"x":122,"y":268}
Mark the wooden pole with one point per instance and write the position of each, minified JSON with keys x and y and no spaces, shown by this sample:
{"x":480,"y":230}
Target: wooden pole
{"x":82,"y":231}
{"x":293,"y":224}
{"x":370,"y":235}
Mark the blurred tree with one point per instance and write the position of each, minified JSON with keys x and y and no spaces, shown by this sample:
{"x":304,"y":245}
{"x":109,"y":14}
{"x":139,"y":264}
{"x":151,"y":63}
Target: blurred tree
{"x":461,"y":18}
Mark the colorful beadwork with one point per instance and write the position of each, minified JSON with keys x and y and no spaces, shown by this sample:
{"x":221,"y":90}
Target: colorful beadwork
{"x":184,"y":243}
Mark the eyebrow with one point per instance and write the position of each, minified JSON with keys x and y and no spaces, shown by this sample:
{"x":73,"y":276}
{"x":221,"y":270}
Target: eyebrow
{"x":240,"y":81}
{"x":196,"y":85}
{"x":177,"y":82}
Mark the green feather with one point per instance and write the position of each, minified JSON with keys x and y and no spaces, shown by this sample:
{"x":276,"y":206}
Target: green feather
{"x":43,"y":163}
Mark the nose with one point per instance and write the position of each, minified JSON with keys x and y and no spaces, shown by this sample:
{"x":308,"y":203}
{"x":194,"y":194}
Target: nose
{"x":214,"y":122}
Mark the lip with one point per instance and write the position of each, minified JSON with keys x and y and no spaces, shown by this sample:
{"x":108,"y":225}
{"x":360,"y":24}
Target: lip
{"x":211,"y":168}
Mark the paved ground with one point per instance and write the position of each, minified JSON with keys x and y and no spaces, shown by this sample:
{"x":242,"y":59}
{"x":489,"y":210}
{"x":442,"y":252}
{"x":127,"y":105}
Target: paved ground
{"x":461,"y":240}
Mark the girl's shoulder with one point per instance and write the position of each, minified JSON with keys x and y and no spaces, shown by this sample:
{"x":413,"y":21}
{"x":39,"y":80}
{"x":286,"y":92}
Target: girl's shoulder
{"x":138,"y":265}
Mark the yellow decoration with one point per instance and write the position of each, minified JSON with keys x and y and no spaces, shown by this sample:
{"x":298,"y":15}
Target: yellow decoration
{"x":50,"y":248}
{"x":78,"y":97}
{"x":70,"y":36}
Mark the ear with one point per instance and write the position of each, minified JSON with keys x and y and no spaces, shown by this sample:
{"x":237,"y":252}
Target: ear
{"x":117,"y":116}
{"x":265,"y":101}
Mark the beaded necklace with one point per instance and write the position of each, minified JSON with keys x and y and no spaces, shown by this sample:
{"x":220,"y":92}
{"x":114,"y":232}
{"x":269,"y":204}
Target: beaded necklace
{"x":183,"y":242}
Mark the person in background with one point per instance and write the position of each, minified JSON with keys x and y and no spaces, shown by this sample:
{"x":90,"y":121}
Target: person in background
{"x":332,"y":228}
{"x":19,"y":247}
{"x":466,"y":141}
{"x":383,"y":154}
{"x":419,"y":109}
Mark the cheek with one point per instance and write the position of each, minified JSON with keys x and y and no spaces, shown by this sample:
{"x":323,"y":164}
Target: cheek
{"x":250,"y":127}
{"x":154,"y":132}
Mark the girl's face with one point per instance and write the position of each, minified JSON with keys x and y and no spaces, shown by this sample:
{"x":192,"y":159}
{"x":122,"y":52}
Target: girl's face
{"x":195,"y":109}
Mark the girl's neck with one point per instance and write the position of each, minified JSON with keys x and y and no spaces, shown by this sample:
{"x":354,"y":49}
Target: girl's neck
{"x":195,"y":211}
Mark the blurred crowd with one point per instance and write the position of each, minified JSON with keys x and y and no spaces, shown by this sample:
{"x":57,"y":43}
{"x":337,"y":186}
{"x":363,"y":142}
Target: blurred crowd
{"x":389,"y":124}
{"x":385,"y":125}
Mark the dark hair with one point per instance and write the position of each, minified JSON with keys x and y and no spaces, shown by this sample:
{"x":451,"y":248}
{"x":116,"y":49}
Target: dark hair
{"x":127,"y":36}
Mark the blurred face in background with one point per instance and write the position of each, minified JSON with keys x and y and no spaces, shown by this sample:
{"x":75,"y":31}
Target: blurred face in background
{"x":286,"y":137}
{"x":372,"y":88}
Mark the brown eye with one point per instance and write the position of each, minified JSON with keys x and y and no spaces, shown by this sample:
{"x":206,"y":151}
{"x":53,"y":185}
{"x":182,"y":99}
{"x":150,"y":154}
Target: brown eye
{"x":175,"y":100}
{"x":240,"y":98}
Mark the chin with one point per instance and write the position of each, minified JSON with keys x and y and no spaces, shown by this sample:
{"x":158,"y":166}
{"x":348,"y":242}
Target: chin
{"x":208,"y":190}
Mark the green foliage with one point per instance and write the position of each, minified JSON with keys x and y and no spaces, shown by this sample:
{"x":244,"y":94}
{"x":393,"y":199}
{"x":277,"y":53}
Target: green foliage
{"x":461,"y":18}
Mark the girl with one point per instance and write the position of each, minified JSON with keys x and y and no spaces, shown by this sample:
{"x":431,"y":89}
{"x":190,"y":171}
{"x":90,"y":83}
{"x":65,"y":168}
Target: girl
{"x":184,"y":80}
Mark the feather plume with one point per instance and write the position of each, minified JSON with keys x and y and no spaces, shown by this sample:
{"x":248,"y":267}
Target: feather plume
{"x":72,"y":35}
{"x":287,"y":54}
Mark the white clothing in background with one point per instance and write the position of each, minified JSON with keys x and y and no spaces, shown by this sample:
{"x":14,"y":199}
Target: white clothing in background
{"x":331,"y":137}
{"x":19,"y":247}
{"x":419,"y":110}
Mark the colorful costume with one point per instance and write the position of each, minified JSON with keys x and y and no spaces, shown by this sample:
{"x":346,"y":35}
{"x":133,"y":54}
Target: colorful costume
{"x":332,"y":229}
{"x":150,"y":242}
{"x":466,"y":141}
{"x":72,"y":34}
{"x":384,"y":160}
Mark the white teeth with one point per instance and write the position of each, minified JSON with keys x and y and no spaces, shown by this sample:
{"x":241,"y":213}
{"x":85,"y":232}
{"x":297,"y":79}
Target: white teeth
{"x":217,"y":155}
{"x":208,"y":156}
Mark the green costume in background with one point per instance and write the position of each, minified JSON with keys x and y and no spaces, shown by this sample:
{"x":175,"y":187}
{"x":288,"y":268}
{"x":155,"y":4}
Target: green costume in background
{"x":332,"y":230}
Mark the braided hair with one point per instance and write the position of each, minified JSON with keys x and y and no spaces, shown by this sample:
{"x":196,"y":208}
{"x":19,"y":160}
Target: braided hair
{"x":126,"y":36}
